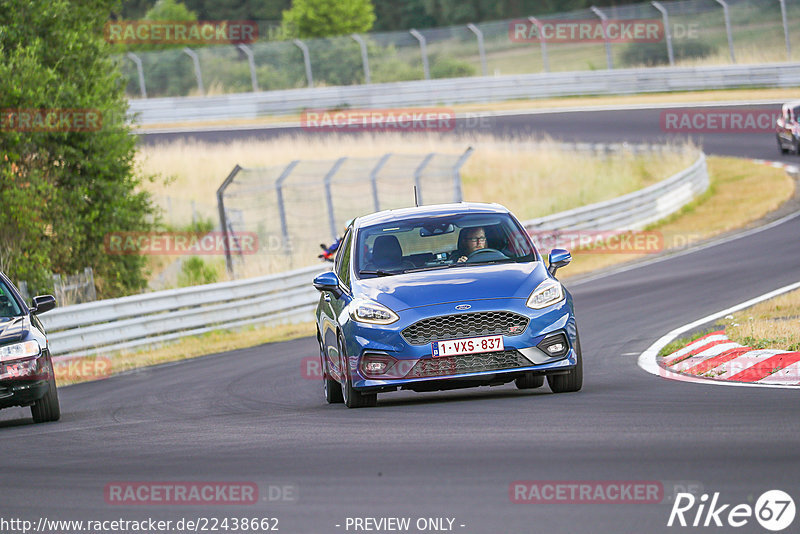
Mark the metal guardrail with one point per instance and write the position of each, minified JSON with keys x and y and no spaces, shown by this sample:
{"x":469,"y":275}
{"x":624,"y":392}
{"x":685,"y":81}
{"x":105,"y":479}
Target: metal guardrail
{"x":634,"y":210}
{"x":463,"y":90}
{"x":144,"y":320}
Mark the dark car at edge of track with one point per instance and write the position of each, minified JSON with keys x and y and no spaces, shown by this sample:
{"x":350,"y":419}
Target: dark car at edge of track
{"x":26,"y":366}
{"x":442,"y":297}
{"x":787,"y":128}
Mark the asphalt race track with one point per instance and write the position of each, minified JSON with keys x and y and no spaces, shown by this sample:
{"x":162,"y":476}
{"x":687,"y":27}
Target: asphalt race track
{"x":250,"y":415}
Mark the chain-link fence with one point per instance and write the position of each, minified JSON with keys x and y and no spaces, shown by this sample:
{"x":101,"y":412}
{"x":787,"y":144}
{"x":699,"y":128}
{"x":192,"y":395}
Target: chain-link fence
{"x":697,"y":32}
{"x":290,"y":209}
{"x":68,"y":289}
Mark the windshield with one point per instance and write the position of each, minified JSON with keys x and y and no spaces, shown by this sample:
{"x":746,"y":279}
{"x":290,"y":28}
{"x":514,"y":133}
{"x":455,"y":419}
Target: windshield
{"x":441,"y":242}
{"x":8,"y":304}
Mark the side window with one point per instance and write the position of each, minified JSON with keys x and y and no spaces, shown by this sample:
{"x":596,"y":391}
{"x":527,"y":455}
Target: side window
{"x":343,"y":260}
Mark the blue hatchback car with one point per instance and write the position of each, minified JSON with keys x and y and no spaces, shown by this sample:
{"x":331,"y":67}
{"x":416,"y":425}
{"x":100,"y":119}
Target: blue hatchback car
{"x":442,"y":297}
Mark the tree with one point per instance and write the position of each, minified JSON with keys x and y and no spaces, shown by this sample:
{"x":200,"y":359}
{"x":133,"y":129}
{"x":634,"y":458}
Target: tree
{"x":328,"y":18}
{"x":63,"y":190}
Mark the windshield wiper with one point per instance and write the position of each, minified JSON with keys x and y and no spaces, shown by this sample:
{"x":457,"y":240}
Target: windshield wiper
{"x":381,"y":272}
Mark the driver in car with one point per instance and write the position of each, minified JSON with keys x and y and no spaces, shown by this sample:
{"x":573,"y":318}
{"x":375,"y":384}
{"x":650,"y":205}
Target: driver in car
{"x":470,"y":240}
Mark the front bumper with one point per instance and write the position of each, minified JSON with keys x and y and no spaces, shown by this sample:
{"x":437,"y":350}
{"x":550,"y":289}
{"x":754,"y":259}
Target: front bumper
{"x":523,"y":355}
{"x":23,"y":382}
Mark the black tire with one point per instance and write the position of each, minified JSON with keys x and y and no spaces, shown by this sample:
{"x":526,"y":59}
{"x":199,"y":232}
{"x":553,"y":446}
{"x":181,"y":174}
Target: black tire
{"x":47,"y":408}
{"x":780,"y":146}
{"x":529,"y":381}
{"x":353,"y":398}
{"x":796,"y":150}
{"x":331,"y":388}
{"x":572,"y":381}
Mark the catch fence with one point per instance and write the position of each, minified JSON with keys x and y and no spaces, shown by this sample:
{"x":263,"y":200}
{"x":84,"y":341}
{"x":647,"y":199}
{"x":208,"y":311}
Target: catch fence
{"x":291,"y":209}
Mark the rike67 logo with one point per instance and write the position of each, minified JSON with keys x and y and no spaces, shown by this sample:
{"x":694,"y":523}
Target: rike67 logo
{"x":774,"y":510}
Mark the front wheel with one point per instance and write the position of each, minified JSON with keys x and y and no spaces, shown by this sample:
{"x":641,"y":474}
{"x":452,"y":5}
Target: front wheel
{"x":351,"y":396}
{"x":47,"y":408}
{"x":529,"y":381}
{"x":331,"y":388}
{"x":572,"y":381}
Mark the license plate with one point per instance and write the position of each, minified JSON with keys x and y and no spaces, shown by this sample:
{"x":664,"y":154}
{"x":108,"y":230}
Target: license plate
{"x":472,"y":345}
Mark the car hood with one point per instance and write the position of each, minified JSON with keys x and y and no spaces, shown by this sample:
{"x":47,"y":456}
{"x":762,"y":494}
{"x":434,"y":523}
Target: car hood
{"x":456,"y":284}
{"x":12,"y":329}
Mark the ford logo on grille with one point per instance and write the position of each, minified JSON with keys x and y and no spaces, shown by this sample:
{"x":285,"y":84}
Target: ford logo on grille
{"x":463,"y":307}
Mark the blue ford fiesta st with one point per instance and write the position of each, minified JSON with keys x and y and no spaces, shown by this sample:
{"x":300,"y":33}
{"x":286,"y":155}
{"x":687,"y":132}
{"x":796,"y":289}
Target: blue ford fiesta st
{"x":442,"y":297}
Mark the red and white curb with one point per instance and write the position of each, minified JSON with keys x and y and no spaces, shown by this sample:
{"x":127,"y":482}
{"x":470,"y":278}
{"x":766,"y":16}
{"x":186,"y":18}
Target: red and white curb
{"x":757,"y":367}
{"x":791,"y":169}
{"x":716,"y":357}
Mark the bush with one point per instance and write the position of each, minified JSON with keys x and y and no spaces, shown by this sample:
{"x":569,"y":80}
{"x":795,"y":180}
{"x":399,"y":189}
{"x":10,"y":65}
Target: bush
{"x":195,"y":272}
{"x":651,"y":54}
{"x":447,"y":67}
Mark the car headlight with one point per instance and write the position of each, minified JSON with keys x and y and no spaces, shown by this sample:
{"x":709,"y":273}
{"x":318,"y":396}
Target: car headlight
{"x":16,"y":351}
{"x":367,"y":311}
{"x":546,"y":294}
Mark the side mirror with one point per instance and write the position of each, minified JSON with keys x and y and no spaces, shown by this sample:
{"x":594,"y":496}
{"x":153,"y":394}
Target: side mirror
{"x":328,"y":282}
{"x":43,"y":303}
{"x":558,"y":258}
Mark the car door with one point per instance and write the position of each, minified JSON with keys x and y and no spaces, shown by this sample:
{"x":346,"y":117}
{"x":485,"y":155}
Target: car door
{"x":332,"y":306}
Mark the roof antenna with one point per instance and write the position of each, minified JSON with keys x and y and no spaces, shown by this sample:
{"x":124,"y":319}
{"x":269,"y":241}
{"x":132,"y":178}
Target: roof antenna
{"x":416,"y":198}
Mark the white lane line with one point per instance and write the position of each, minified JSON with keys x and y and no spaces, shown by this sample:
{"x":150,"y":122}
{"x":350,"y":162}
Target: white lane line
{"x":647,"y":360}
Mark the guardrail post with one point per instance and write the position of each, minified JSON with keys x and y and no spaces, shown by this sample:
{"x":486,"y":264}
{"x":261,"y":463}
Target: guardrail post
{"x":423,"y":50}
{"x":281,"y":207}
{"x":373,"y":178}
{"x":306,"y":59}
{"x":667,"y":31}
{"x":418,"y":175}
{"x":137,"y":60}
{"x":329,"y":197}
{"x":364,"y":57}
{"x":223,"y":222}
{"x":542,"y":42}
{"x":252,"y":62}
{"x":727,"y":15}
{"x":786,"y":30}
{"x":197,"y":73}
{"x":457,"y":194}
{"x":481,"y":48}
{"x":602,"y":16}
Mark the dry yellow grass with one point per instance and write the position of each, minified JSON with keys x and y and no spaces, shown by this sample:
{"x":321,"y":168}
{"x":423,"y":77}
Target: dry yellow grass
{"x":532,"y":177}
{"x":192,"y":347}
{"x":734,"y":183}
{"x":772,"y":324}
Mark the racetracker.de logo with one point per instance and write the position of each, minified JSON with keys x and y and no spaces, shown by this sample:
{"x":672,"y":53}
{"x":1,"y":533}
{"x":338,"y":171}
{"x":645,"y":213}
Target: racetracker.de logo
{"x":600,"y":241}
{"x":181,"y":493}
{"x":733,"y":120}
{"x":379,"y":120}
{"x":586,"y":31}
{"x":181,"y":32}
{"x":586,"y":491}
{"x":180,"y":243}
{"x":50,"y":120}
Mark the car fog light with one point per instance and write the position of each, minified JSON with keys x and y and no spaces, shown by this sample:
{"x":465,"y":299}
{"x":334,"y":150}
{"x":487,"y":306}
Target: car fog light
{"x":376,"y":364}
{"x":554,"y":345}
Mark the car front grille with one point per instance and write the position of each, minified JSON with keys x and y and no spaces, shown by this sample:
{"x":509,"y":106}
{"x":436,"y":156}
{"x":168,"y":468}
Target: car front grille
{"x":468,"y":363}
{"x":465,"y":325}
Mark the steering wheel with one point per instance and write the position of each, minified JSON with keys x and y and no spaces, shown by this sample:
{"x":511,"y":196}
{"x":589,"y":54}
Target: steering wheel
{"x":485,"y":252}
